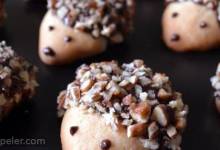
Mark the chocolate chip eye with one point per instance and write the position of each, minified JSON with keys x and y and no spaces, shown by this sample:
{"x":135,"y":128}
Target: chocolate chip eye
{"x":49,"y":51}
{"x":175,"y":37}
{"x":105,"y":144}
{"x":203,"y":24}
{"x":51,"y":28}
{"x":67,"y":39}
{"x":175,"y":14}
{"x":73,"y":130}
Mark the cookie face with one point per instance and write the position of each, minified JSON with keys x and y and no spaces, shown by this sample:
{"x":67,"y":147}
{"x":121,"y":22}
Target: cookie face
{"x":132,"y":107}
{"x":73,"y":29}
{"x":190,"y":26}
{"x":59,"y":44}
{"x":76,"y":133}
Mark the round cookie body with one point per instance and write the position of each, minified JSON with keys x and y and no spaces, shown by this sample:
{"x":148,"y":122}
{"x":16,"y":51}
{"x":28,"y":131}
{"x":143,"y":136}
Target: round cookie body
{"x":127,"y":106}
{"x":92,"y":130}
{"x":60,"y":44}
{"x":188,"y":26}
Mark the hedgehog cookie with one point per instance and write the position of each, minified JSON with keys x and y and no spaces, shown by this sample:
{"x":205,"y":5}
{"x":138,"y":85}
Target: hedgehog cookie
{"x":215,"y":81}
{"x":17,"y":79}
{"x":73,"y":29}
{"x":124,"y":107}
{"x":191,"y":25}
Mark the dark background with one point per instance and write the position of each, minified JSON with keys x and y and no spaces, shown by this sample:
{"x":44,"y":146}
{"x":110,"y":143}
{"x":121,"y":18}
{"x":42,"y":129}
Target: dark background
{"x":190,"y":73}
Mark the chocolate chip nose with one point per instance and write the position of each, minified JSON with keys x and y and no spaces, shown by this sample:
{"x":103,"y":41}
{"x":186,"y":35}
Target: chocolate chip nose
{"x":49,"y":51}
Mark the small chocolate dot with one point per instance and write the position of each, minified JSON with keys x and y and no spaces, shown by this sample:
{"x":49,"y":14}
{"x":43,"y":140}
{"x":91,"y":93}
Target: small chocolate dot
{"x":105,"y":144}
{"x":49,"y":51}
{"x":203,"y":24}
{"x":175,"y":14}
{"x":67,"y":39}
{"x":175,"y":37}
{"x":73,"y":130}
{"x":51,"y":28}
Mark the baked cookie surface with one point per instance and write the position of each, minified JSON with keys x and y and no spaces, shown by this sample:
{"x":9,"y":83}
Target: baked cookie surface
{"x":129,"y":105}
{"x":191,"y":25}
{"x":73,"y":29}
{"x":61,"y":45}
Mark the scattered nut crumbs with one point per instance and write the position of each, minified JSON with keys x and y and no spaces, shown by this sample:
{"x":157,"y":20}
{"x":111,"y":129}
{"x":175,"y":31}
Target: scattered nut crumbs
{"x":215,"y":81}
{"x":133,"y":96}
{"x":17,"y":79}
{"x":111,"y":19}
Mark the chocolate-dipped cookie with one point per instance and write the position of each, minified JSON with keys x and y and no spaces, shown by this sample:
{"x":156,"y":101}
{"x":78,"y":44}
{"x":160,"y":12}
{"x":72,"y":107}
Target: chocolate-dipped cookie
{"x":73,"y":29}
{"x":127,"y":107}
{"x":191,"y":25}
{"x":17,"y":79}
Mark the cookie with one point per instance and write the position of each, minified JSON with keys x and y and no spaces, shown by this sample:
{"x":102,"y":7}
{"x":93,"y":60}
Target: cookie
{"x":74,"y":29}
{"x":215,"y":81}
{"x":17,"y":78}
{"x":109,"y":106}
{"x":191,"y":25}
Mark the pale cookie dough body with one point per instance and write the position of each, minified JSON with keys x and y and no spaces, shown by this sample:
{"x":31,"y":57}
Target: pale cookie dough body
{"x":188,"y":26}
{"x":92,"y":129}
{"x":81,"y":45}
{"x":104,"y":96}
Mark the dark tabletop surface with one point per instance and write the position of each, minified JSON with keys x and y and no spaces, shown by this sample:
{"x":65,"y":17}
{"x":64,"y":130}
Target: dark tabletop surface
{"x":189,"y":72}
